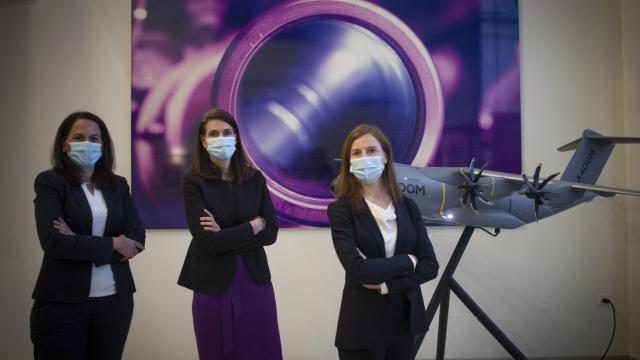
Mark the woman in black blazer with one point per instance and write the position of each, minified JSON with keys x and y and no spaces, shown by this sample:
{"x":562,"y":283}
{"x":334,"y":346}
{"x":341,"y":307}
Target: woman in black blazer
{"x":231,"y":219}
{"x":89,"y":229}
{"x":381,"y":242}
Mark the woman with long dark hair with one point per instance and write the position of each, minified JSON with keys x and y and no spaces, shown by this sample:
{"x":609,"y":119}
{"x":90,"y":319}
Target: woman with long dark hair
{"x":89,"y":229}
{"x":231,"y":218}
{"x":380,"y":240}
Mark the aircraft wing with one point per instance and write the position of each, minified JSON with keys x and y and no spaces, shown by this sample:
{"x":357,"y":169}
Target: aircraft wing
{"x":502,"y":175}
{"x":604,"y":190}
{"x":453,"y":175}
{"x":504,"y":184}
{"x":496,"y":184}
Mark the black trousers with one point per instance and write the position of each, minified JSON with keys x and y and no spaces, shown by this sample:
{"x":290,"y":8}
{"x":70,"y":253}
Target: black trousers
{"x":397,"y":343}
{"x":397,"y":348}
{"x":95,"y":329}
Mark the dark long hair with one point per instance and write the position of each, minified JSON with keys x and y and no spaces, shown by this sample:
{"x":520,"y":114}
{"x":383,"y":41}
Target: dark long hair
{"x":240,"y":167}
{"x":103,"y":176}
{"x":347,"y":186}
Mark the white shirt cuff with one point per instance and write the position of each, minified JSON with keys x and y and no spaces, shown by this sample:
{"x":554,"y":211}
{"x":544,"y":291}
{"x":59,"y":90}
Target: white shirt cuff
{"x":384,"y":290}
{"x":414,"y":260}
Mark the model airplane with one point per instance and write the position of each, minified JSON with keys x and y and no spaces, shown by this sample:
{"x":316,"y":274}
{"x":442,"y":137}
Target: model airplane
{"x":483,"y":198}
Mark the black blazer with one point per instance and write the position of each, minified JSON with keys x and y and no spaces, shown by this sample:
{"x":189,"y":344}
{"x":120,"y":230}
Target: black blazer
{"x":210,"y":263}
{"x":365,"y":314}
{"x":65,"y":275}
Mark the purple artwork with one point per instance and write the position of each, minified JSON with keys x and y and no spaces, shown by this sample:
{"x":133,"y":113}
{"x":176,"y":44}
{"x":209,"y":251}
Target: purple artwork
{"x":441,"y":78}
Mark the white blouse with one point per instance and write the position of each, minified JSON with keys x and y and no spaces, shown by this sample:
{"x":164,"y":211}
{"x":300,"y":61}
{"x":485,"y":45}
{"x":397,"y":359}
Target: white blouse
{"x":102,"y":281}
{"x":386,"y":220}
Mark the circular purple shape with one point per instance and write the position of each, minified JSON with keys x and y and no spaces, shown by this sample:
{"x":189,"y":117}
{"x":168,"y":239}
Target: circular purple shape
{"x":293,"y":206}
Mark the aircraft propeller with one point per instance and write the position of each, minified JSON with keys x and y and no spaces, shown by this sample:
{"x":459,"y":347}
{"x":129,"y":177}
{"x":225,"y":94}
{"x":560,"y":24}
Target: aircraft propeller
{"x":534,"y":190}
{"x":472,"y":190}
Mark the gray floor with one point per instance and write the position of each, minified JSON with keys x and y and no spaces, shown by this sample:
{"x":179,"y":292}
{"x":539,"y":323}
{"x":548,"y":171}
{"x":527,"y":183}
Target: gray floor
{"x":554,"y":358}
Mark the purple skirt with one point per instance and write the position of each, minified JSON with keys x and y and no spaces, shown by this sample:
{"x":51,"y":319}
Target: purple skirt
{"x":241,"y":323}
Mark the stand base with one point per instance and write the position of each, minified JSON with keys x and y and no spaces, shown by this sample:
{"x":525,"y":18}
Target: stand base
{"x":441,"y":295}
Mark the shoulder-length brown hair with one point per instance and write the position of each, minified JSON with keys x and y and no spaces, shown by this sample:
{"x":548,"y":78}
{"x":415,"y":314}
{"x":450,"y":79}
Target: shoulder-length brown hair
{"x":240,"y":167}
{"x":103,"y":176}
{"x":347,"y":186}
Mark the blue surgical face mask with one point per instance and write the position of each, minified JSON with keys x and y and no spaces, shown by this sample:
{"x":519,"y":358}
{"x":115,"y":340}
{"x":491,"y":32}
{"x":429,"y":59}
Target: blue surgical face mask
{"x":221,"y":148}
{"x":84,"y":153}
{"x":367,"y":169}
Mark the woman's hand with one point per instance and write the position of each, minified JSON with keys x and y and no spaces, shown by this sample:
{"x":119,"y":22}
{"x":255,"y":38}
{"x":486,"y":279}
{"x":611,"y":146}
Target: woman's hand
{"x":126,"y":247}
{"x":258,"y":224}
{"x":62,"y":227}
{"x":209,"y":223}
{"x":372,"y":287}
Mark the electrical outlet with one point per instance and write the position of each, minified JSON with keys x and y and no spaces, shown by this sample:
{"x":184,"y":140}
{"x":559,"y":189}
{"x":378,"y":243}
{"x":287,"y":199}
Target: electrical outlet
{"x":602,"y":296}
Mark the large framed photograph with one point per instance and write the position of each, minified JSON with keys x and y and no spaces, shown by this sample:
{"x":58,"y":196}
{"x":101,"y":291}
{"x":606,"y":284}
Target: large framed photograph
{"x":441,"y":78}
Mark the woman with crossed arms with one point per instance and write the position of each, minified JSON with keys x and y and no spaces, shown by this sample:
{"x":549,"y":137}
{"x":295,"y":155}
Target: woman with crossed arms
{"x":380,"y":240}
{"x":89,"y":229}
{"x":231,"y":219}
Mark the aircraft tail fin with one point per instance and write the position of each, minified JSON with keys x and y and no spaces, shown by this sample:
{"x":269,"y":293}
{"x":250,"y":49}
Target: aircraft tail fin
{"x":592,"y":151}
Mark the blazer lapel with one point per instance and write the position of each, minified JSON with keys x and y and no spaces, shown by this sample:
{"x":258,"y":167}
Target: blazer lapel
{"x":82,"y":201}
{"x":402,"y":218}
{"x":372,"y":226}
{"x":109,"y":195}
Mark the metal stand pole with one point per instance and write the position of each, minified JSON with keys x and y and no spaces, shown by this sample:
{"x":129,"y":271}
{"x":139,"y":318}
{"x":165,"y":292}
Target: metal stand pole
{"x":442,"y":325}
{"x":441,"y":299}
{"x":485,"y":320}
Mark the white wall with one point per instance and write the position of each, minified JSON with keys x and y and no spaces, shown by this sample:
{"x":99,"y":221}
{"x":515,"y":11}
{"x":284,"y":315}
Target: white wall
{"x":631,"y":85}
{"x":540,"y":283}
